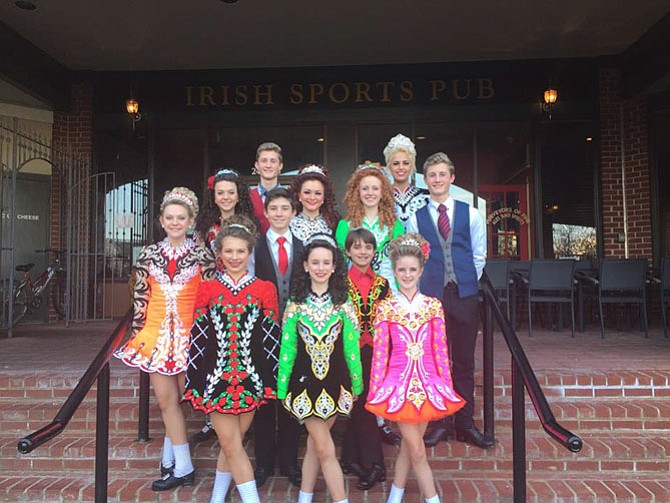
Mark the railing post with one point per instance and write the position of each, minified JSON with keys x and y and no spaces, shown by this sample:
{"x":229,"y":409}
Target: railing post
{"x":102,"y":436}
{"x":489,"y":421}
{"x":143,"y":419}
{"x":518,"y":434}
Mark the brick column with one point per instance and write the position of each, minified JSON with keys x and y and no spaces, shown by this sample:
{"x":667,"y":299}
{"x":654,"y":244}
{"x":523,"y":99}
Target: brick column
{"x":72,"y":138}
{"x":636,"y":163}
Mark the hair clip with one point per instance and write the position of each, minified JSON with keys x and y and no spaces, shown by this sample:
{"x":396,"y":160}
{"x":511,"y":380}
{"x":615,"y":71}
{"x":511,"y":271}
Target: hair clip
{"x":414,"y":243}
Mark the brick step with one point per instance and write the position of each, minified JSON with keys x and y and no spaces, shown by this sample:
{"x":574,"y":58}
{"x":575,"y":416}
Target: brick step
{"x":578,"y":415}
{"x":617,"y":452}
{"x":453,"y":487}
{"x":556,"y":384}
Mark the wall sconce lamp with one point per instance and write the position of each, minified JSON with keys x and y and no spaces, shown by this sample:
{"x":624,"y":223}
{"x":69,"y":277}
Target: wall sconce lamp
{"x":133,"y":109}
{"x":550,"y":97}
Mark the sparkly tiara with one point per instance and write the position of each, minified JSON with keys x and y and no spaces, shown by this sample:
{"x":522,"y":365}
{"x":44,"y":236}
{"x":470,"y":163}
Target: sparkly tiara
{"x":361,"y":167}
{"x":312,"y":168}
{"x":239,"y":226}
{"x":414,"y":243}
{"x":399,"y":141}
{"x":226,"y":171}
{"x":178,"y":196}
{"x":321,"y":237}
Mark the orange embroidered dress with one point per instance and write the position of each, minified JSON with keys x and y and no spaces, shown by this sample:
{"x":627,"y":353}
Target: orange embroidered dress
{"x":166,"y":283}
{"x":411,"y":378}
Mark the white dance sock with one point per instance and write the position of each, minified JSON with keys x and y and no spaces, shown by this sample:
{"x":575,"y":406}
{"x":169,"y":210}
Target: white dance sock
{"x":434,"y":499}
{"x":396,"y":494}
{"x":182,"y":460}
{"x":345,"y":500}
{"x":248,"y":492}
{"x":167,"y":458}
{"x":221,"y":485}
{"x":305,"y":497}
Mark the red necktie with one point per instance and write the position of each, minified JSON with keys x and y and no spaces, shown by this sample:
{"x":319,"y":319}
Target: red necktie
{"x":443,"y":221}
{"x":283,"y":256}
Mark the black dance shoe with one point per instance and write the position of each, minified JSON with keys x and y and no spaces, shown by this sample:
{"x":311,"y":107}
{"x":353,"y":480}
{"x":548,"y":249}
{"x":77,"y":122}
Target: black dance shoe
{"x":167,"y":470}
{"x":354,"y":468}
{"x":474,"y":437}
{"x":169,"y":481}
{"x":206,"y":433}
{"x":438,"y":432}
{"x":376,"y":474}
{"x":261,"y":474}
{"x":388,"y":436}
{"x":292,"y":473}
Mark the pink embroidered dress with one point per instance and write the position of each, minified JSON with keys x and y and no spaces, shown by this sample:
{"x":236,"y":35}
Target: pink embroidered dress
{"x":410,"y":379}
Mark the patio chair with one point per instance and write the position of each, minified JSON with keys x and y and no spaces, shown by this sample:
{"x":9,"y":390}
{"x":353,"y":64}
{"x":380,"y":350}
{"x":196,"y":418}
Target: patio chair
{"x":498,"y":272}
{"x":664,"y":291}
{"x":623,"y":282}
{"x":551,"y":281}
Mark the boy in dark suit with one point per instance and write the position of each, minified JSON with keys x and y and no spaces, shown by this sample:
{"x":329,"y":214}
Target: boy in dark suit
{"x":277,"y":254}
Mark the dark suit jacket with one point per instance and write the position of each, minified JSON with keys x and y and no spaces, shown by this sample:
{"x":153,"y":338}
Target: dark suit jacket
{"x":264,"y":267}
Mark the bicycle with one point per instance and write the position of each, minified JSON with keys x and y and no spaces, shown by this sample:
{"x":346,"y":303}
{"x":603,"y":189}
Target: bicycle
{"x":27,"y":294}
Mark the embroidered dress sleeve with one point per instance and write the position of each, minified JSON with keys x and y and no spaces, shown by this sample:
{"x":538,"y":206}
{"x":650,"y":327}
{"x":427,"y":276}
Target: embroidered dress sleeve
{"x":288,"y":349}
{"x":341,"y":233}
{"x":380,"y":355}
{"x":438,"y":336}
{"x":352,"y":350}
{"x":271,"y":335}
{"x":207,"y":262}
{"x":141,"y":292}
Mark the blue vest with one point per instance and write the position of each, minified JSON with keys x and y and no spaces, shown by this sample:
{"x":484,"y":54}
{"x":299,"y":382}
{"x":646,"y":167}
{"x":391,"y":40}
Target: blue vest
{"x":432,"y":281}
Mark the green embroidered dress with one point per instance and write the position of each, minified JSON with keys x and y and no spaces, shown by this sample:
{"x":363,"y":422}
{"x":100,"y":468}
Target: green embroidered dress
{"x":319,"y":359}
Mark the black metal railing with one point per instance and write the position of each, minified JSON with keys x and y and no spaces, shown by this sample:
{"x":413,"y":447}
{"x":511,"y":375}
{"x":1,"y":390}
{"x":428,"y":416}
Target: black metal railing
{"x":98,"y":371}
{"x":523,"y":376}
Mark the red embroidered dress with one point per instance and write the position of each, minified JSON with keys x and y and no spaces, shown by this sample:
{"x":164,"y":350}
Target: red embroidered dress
{"x":234,"y":345}
{"x":166,"y":283}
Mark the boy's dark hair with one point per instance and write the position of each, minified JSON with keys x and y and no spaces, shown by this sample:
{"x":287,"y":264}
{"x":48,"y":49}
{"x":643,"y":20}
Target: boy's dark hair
{"x":276,"y":193}
{"x":360,"y":234}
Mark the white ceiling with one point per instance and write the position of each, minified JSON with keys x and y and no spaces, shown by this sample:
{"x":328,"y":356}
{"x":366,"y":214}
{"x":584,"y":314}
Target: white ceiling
{"x":208,"y":34}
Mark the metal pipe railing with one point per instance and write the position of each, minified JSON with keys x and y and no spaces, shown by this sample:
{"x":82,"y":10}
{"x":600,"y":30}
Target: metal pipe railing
{"x":523,"y":376}
{"x":98,"y":371}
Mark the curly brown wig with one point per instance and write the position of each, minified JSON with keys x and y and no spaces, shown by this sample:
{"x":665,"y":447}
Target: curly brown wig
{"x":301,"y":283}
{"x":329,"y":208}
{"x":355,"y":209}
{"x":211,"y":215}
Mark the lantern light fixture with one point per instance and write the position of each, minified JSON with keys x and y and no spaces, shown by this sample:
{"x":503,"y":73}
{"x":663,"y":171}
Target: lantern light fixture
{"x":133,"y":109}
{"x":550,"y":98}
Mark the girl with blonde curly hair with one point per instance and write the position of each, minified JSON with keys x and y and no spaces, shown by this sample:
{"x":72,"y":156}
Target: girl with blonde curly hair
{"x":168,"y":275}
{"x":369,"y":204}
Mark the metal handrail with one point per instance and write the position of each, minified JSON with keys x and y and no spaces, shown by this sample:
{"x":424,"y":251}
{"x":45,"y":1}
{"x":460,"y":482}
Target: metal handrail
{"x":97,"y":370}
{"x":523,"y":376}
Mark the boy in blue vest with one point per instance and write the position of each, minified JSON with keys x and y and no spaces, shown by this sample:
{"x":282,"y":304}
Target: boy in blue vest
{"x":457,"y":238}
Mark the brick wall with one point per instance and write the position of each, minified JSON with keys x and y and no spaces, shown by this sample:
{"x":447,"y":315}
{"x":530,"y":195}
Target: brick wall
{"x":72,"y":138}
{"x":634,"y":131}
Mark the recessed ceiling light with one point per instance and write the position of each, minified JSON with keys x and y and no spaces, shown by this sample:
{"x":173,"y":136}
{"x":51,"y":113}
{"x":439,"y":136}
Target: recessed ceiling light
{"x":321,"y":139}
{"x":25,"y":5}
{"x":589,"y":138}
{"x":420,"y":138}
